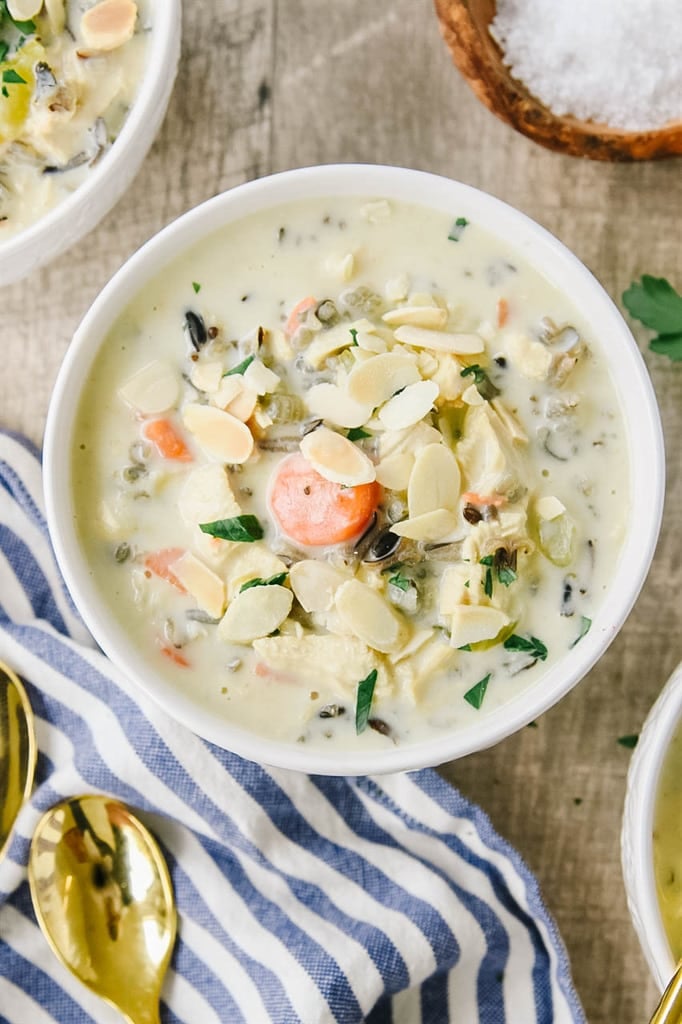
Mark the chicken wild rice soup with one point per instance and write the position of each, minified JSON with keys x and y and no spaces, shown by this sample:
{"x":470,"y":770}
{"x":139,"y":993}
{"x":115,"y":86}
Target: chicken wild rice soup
{"x":70,"y":71}
{"x":351,"y":471}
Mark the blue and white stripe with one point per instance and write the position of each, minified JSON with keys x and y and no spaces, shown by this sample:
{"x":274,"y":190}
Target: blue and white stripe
{"x":302,"y":900}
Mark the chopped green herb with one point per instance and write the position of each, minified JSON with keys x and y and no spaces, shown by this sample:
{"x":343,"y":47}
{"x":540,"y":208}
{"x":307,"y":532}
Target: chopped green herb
{"x":467,"y":583}
{"x":5,"y":91}
{"x":484,"y":385}
{"x":475,"y":695}
{"x":655,"y":303}
{"x":531,"y":646}
{"x":400,"y":581}
{"x":487,"y":560}
{"x":629,"y":741}
{"x":464,"y":647}
{"x":4,"y":50}
{"x":585,"y":625}
{"x":196,"y":286}
{"x":258,"y":581}
{"x":457,"y":229}
{"x":354,"y":335}
{"x":12,"y":77}
{"x":240,"y":367}
{"x":488,"y":583}
{"x":363,"y":701}
{"x":357,"y":434}
{"x":506,"y":576}
{"x":240,"y":528}
{"x":532,"y":725}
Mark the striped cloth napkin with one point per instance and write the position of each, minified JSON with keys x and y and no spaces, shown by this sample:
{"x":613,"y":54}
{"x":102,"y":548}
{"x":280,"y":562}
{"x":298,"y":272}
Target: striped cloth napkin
{"x":389,"y":900}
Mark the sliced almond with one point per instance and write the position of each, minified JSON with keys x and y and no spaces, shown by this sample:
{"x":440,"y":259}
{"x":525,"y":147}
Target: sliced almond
{"x":509,"y":422}
{"x":109,"y":24}
{"x":377,"y":379}
{"x":410,"y":406}
{"x":370,"y":342}
{"x":472,"y":623}
{"x":455,"y":584}
{"x":153,"y":389}
{"x":202,"y":583}
{"x":254,"y":613}
{"x":394,"y":472}
{"x":337,"y":662}
{"x":218,"y":433}
{"x":419,"y":316}
{"x":531,"y":358}
{"x":367,"y":615}
{"x":412,"y":439}
{"x":430,"y":526}
{"x":315,"y":584}
{"x":397,"y":288}
{"x":341,"y":266}
{"x":472,"y":396}
{"x":336,"y":458}
{"x":549,"y":507}
{"x":207,"y":496}
{"x":243,"y":405}
{"x":334,"y":404}
{"x":440,"y":341}
{"x":248,"y":561}
{"x":434,"y":482}
{"x":326,"y":344}
{"x":260,"y":379}
{"x":207,"y":376}
{"x":24,"y":10}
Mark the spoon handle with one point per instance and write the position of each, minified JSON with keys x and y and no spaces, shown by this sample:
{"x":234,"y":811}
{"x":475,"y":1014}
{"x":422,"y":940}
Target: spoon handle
{"x":669,"y":1010}
{"x":145,"y":1015}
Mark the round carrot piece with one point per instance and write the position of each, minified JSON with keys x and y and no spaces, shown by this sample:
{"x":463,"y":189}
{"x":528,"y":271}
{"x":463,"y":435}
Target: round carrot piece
{"x":315,"y":511}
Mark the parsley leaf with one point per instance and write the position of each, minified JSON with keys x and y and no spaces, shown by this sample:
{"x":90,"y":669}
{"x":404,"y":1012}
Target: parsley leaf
{"x":506,"y":576}
{"x":258,"y":581}
{"x":457,"y":229}
{"x":12,"y":77}
{"x":531,"y":645}
{"x":400,"y":581}
{"x":363,"y":701}
{"x":240,"y":528}
{"x":240,"y":367}
{"x":475,"y":695}
{"x":585,"y":625}
{"x":196,"y":286}
{"x":4,"y":50}
{"x":357,"y":434}
{"x":655,"y":303}
{"x":629,"y":741}
{"x":488,"y":583}
{"x":354,"y":336}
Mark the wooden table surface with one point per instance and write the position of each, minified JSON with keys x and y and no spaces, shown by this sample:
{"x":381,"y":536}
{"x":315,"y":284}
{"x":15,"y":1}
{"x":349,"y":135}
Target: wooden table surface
{"x":266,"y":85}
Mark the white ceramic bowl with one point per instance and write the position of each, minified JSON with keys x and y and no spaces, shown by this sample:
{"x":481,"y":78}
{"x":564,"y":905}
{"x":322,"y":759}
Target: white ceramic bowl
{"x":664,"y":719}
{"x":75,"y":216}
{"x":543,"y":251}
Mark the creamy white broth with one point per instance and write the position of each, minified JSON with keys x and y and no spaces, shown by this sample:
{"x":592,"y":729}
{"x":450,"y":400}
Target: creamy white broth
{"x":66,"y":109}
{"x":252,"y":275}
{"x":667,"y":844}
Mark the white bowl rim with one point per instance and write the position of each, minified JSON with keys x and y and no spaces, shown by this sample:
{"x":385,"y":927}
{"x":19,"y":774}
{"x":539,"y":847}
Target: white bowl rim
{"x":541,"y":249}
{"x":661,"y":724}
{"x":142,"y":122}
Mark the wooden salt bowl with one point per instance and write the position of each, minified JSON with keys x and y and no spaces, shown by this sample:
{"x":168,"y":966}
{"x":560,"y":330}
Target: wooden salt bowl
{"x":464,"y":25}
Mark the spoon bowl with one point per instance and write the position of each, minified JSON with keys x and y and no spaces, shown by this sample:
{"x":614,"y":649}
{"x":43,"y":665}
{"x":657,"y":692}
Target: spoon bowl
{"x":465,"y":27}
{"x":103,"y":898}
{"x":17,"y":752}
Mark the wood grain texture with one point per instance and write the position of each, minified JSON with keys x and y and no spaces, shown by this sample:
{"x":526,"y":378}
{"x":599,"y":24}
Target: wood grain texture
{"x":272,"y":84}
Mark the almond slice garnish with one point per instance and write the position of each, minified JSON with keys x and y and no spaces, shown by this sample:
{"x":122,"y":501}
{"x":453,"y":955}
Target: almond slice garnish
{"x":377,"y":379}
{"x":472,"y":623}
{"x":201,"y":582}
{"x":434,"y":481}
{"x":410,"y":406}
{"x":417,"y":316}
{"x":336,"y":458}
{"x":431,"y":526}
{"x":333,"y":403}
{"x":109,"y":24}
{"x":367,"y":615}
{"x":218,"y":432}
{"x":315,"y":584}
{"x":153,"y":389}
{"x":440,"y":341}
{"x":255,"y":612}
{"x":24,"y":10}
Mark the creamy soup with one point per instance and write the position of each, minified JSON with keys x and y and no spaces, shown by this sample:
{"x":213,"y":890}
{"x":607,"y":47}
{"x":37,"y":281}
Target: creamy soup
{"x":351,"y":471}
{"x":69,"y":76}
{"x":668,"y":844}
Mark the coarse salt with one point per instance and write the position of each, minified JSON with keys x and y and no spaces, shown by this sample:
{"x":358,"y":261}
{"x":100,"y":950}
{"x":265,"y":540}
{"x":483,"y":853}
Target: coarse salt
{"x":612,"y":61}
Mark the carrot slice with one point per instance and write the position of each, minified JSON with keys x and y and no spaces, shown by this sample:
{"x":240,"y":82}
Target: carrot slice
{"x":175,"y":656}
{"x":315,"y":511}
{"x":472,"y":498}
{"x":502,"y":312}
{"x":160,"y":562}
{"x":166,"y":439}
{"x":298,"y":314}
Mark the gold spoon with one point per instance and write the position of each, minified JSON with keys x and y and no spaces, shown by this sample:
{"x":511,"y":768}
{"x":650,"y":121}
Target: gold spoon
{"x":669,"y":1010}
{"x":103,"y":898}
{"x":17,"y":752}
